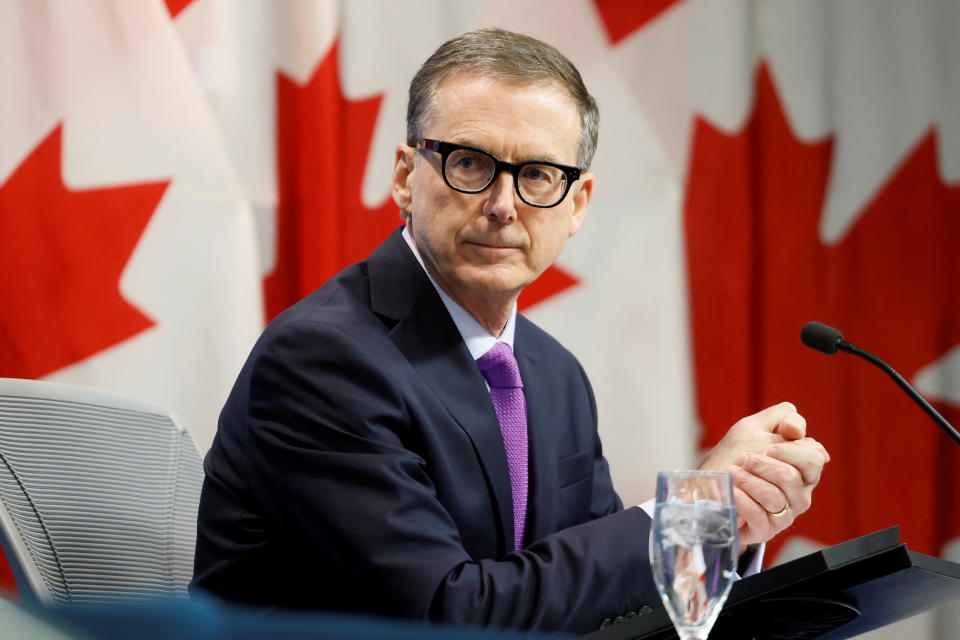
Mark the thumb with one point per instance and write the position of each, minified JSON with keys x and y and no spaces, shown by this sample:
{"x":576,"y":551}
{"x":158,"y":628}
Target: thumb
{"x":791,"y":426}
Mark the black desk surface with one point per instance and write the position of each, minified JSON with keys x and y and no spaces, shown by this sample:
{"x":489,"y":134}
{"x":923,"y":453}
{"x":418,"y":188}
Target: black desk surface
{"x":832,"y":594}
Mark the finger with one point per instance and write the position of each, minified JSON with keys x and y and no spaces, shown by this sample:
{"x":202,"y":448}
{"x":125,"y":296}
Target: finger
{"x":820,"y":447}
{"x":774,"y":412}
{"x":791,"y":426}
{"x":805,"y":456}
{"x":753,"y":522}
{"x":770,"y":418}
{"x":764,"y":493}
{"x":785,"y":477}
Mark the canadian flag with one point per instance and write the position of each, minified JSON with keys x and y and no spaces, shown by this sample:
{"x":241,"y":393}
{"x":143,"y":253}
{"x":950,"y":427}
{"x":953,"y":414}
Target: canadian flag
{"x":128,"y":256}
{"x":761,"y":164}
{"x":817,"y":148}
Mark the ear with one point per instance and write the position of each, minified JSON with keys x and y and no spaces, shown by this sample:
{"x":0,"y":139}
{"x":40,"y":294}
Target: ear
{"x":581,"y":200}
{"x":402,"y":170}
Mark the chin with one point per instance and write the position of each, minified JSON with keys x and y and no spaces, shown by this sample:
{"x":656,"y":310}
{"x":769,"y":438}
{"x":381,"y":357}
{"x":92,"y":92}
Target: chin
{"x":495,"y":283}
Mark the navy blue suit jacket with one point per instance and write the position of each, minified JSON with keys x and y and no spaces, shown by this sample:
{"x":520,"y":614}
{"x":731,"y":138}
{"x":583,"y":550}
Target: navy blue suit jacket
{"x":358,"y":466}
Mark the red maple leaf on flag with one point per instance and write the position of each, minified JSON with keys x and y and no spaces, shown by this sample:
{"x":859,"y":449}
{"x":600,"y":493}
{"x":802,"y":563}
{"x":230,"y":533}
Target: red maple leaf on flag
{"x":175,"y":7}
{"x":758,"y":271}
{"x":323,"y":141}
{"x":62,"y":253}
{"x":621,"y":18}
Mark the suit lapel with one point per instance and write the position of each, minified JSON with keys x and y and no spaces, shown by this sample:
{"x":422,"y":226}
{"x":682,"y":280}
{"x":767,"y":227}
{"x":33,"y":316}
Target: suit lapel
{"x":542,"y":502}
{"x":428,"y":338}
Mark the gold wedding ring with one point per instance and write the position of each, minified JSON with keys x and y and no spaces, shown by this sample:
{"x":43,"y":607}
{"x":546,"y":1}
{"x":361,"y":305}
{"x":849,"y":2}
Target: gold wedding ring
{"x":782,"y":512}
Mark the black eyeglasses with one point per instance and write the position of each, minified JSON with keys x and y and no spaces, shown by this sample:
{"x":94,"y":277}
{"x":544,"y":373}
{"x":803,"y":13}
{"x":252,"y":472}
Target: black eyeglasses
{"x":468,"y":170}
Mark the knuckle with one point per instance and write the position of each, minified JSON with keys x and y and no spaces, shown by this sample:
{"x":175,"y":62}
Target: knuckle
{"x":789,"y":475}
{"x":810,"y":463}
{"x":813,"y":467}
{"x":751,"y":461}
{"x":794,"y":475}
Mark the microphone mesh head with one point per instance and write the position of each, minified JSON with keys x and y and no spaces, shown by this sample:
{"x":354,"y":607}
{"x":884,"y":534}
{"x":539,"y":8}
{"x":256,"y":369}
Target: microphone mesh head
{"x":821,"y":337}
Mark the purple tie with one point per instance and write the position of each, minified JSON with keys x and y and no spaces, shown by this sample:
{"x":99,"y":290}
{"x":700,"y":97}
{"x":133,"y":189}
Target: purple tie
{"x":500,"y":369}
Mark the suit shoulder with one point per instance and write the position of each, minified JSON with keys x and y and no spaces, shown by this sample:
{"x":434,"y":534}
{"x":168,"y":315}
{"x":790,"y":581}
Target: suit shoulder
{"x":338,"y":310}
{"x":347,"y":291}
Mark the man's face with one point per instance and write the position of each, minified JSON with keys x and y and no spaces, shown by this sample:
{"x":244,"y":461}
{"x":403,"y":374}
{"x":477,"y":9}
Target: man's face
{"x":487,"y":246}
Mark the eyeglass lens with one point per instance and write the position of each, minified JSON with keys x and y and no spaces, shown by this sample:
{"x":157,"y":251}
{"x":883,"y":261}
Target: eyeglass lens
{"x":537,"y":183}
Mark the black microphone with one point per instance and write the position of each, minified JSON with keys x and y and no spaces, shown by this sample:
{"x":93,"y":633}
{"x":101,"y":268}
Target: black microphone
{"x":828,"y":340}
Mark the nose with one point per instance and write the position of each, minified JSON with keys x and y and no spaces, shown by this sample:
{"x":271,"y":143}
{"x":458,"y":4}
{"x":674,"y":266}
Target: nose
{"x":501,"y":202}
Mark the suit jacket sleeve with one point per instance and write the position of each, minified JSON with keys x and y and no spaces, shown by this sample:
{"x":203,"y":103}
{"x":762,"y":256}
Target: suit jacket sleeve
{"x":332,"y":452}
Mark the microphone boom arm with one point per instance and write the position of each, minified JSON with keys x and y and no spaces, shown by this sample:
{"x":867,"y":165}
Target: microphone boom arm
{"x":843,"y":345}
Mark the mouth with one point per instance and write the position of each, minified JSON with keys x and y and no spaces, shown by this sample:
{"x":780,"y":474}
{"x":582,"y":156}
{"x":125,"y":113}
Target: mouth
{"x":491,"y":245}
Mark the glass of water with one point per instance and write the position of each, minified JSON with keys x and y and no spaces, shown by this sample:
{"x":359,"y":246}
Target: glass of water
{"x":694,"y":547}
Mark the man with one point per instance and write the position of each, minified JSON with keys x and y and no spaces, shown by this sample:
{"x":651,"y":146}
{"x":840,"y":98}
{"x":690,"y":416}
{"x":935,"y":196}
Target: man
{"x":401,"y":442}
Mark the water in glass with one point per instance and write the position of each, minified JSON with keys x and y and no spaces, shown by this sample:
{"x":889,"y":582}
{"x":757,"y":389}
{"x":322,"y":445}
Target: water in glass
{"x":693,"y":547}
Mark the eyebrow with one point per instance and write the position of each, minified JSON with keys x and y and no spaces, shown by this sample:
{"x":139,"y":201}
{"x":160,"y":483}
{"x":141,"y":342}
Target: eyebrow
{"x":540,"y":157}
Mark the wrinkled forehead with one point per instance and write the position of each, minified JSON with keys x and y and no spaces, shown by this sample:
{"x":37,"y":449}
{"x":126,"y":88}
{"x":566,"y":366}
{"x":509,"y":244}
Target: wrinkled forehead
{"x":468,"y":101}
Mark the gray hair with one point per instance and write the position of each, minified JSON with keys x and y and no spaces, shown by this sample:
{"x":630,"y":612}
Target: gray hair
{"x":507,"y":56}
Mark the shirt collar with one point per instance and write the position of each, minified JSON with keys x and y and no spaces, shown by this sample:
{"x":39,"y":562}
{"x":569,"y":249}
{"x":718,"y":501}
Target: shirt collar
{"x":475,"y":336}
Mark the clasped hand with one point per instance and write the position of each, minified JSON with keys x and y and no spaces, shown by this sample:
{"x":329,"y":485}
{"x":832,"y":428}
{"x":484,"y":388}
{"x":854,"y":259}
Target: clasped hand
{"x":775,"y":469}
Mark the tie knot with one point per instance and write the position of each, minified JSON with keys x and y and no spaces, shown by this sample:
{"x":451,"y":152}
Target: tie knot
{"x":500,"y":368}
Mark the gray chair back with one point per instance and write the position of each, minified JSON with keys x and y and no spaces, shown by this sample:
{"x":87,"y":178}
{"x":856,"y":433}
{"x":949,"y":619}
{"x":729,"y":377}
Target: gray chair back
{"x":98,"y":495}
